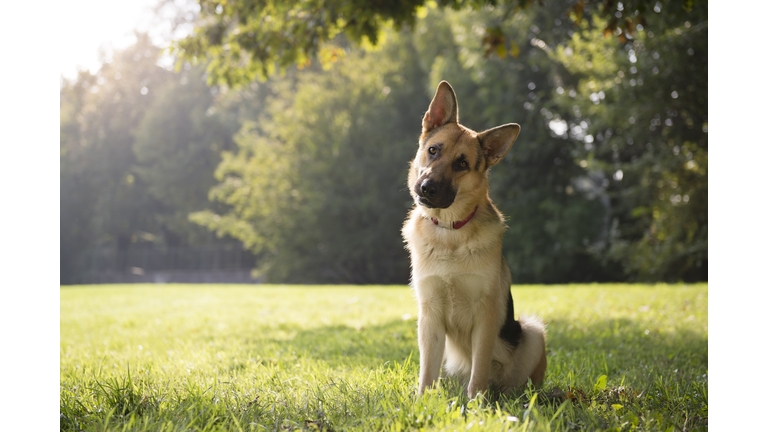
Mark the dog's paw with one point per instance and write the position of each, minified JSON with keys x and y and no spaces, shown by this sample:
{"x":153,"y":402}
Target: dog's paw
{"x":477,"y":392}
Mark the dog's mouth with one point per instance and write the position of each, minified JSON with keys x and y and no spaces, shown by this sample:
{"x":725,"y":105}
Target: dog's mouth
{"x":423,"y":202}
{"x":441,"y":202}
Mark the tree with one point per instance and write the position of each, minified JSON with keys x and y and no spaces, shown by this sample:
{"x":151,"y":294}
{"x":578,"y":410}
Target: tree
{"x":317,"y":185}
{"x":640,"y":110}
{"x":139,"y":145}
{"x":178,"y":145}
{"x":243,"y":39}
{"x":608,"y":180}
{"x":102,"y":200}
{"x":303,"y":189}
{"x":575,"y":211}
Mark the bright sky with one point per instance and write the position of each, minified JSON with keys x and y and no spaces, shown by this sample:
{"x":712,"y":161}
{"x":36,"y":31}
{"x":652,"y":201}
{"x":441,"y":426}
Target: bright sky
{"x":90,"y":25}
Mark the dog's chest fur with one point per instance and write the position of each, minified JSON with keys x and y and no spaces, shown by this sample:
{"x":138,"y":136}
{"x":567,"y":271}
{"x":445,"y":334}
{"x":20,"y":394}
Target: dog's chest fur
{"x":456,"y":271}
{"x":445,"y":251}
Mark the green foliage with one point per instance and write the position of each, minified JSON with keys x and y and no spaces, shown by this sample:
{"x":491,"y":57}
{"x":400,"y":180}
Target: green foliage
{"x":102,"y":200}
{"x":202,"y":358}
{"x":641,"y":111}
{"x":567,"y":219}
{"x":242,"y":40}
{"x":178,"y":145}
{"x":286,"y":179}
{"x":138,"y":148}
{"x":608,"y":180}
{"x":550,"y":223}
{"x":317,"y":183}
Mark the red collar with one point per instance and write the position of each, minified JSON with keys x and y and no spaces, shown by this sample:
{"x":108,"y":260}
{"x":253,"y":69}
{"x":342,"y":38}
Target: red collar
{"x":457,"y":225}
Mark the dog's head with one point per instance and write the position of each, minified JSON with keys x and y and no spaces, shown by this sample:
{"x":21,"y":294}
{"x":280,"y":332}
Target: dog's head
{"x":452,"y":162}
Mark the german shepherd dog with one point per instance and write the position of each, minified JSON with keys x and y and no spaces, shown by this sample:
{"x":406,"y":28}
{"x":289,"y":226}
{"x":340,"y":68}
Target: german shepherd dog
{"x":466,"y":322}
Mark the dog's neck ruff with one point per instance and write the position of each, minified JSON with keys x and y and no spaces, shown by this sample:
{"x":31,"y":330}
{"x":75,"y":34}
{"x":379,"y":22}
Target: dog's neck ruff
{"x":455,"y":225}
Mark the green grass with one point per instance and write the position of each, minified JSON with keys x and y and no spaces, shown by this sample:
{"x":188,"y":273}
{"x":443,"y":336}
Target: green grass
{"x":208,"y":358}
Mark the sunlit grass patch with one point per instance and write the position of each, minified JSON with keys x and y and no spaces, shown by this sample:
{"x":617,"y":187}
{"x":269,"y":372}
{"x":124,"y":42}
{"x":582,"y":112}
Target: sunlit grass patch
{"x":193,"y":357}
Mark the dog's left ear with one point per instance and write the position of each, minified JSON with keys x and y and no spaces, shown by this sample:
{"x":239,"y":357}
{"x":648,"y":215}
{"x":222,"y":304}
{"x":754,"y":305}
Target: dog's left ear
{"x":496,"y":142}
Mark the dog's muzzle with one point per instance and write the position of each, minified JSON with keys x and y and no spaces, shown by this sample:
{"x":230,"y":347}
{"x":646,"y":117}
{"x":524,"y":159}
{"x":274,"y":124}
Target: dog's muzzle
{"x":434,"y":194}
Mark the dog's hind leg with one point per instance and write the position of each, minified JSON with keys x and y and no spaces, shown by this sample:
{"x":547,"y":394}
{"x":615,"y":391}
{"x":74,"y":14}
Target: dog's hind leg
{"x":537,"y":376}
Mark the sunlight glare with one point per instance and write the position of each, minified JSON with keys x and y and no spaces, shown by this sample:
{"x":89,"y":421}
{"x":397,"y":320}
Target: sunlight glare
{"x":558,"y":126}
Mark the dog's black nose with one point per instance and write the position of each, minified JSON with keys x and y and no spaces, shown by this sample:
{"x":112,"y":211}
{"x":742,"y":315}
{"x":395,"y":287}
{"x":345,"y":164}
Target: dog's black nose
{"x":428,"y":188}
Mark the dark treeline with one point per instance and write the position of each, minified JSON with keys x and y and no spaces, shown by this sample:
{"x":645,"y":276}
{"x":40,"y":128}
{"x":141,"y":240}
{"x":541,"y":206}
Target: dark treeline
{"x":307,"y":169}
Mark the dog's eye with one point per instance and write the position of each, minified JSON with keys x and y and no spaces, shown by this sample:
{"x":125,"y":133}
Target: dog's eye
{"x":464,"y":164}
{"x":432,"y":150}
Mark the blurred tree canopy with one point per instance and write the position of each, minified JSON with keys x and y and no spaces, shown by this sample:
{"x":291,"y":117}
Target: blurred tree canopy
{"x":608,"y":180}
{"x":138,"y":148}
{"x":102,"y":199}
{"x":645,"y":108}
{"x":316,"y":184}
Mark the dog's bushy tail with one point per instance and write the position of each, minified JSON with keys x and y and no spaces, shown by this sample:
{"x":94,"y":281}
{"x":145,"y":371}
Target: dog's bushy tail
{"x":530,"y":355}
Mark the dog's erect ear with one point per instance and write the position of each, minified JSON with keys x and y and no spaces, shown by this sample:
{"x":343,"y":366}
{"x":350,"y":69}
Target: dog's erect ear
{"x":496,"y":142}
{"x":442,"y":110}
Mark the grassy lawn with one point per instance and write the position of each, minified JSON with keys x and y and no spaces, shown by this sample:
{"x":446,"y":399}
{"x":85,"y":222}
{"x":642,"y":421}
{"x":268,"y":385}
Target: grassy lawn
{"x":231,"y":357}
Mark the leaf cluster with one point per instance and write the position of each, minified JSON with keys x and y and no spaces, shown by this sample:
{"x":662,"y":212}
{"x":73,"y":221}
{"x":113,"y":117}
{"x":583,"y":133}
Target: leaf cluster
{"x":241,"y":40}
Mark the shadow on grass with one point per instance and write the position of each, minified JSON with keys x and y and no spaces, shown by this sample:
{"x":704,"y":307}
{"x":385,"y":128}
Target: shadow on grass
{"x":658,"y":374}
{"x":611,"y":346}
{"x":343,"y":346}
{"x":625,"y":347}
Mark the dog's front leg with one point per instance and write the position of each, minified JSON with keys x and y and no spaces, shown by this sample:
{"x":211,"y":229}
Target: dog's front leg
{"x":483,"y":341}
{"x":431,"y":343}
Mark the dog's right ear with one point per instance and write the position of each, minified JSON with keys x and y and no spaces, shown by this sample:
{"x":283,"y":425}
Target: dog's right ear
{"x":442,"y":110}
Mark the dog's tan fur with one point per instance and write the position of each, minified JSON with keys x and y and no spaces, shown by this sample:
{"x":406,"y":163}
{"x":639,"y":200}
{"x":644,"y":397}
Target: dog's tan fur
{"x":460,"y":276}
